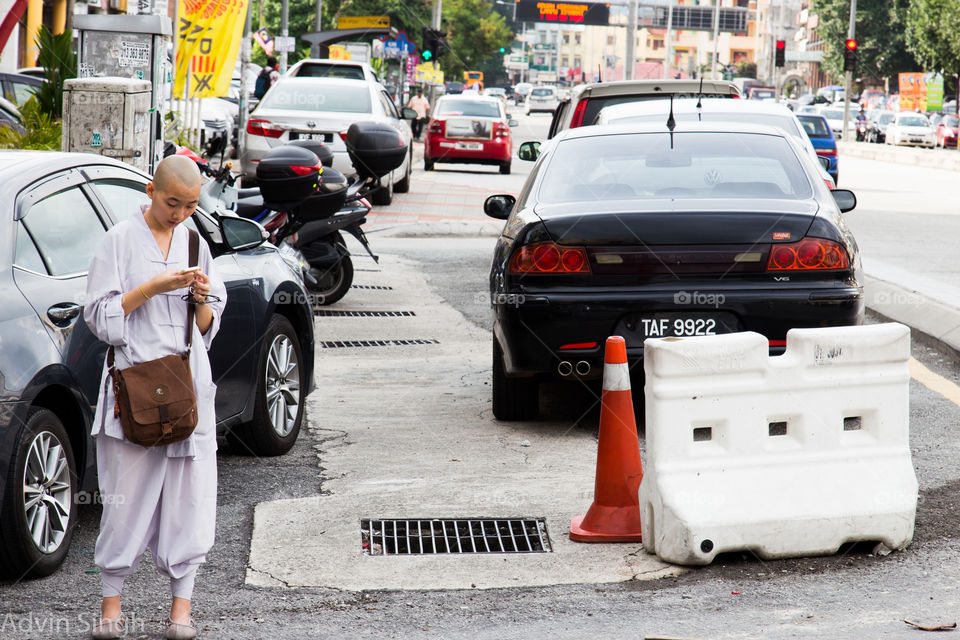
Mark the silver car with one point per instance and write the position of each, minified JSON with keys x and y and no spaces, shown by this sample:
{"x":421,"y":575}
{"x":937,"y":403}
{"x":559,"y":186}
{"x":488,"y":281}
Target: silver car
{"x":542,"y":99}
{"x":323,"y":109}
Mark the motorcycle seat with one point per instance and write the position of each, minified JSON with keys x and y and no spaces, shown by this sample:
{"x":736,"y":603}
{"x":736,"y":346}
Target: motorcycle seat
{"x":250,"y":207}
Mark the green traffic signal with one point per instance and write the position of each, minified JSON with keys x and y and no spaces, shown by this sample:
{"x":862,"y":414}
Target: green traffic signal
{"x":426,"y":55}
{"x":503,"y":50}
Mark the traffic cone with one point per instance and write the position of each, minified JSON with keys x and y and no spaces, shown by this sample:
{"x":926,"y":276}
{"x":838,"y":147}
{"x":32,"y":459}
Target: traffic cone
{"x":614,"y":515}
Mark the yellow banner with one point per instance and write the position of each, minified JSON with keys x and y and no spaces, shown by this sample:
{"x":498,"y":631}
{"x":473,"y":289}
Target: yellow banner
{"x":363,"y":22}
{"x":338,"y":52}
{"x":426,"y":73}
{"x":207,"y":46}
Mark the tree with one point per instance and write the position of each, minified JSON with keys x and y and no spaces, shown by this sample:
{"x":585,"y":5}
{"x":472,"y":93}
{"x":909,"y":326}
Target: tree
{"x":59,"y":63}
{"x":931,"y":35}
{"x":475,"y":32}
{"x":881,"y":42}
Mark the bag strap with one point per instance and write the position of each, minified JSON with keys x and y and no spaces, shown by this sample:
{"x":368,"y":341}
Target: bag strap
{"x":193,"y":259}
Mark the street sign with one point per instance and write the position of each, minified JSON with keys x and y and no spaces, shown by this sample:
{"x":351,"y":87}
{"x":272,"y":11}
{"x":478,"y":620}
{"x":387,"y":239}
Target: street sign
{"x":594,"y":13}
{"x":363,"y":22}
{"x":285,"y":43}
{"x":540,"y":46}
{"x":804,"y":56}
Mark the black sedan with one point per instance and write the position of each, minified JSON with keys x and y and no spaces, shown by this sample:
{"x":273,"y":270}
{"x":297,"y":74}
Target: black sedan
{"x":644,"y":232}
{"x":59,"y":206}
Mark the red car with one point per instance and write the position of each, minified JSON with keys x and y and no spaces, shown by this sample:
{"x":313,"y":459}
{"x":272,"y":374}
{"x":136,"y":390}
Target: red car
{"x":468,"y":129}
{"x":947,"y":131}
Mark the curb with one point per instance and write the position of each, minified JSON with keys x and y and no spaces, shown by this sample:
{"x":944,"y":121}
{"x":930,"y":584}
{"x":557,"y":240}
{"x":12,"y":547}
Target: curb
{"x":947,"y":159}
{"x":936,"y":320}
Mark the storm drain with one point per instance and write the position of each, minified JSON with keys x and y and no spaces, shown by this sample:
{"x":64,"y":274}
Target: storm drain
{"x":371,"y":287}
{"x":461,"y":535}
{"x":346,"y":344}
{"x":338,"y":313}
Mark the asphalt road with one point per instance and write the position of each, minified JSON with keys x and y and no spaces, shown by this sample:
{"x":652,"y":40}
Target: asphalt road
{"x":849,"y":595}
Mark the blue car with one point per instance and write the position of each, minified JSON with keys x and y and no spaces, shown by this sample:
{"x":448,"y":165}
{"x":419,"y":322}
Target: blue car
{"x":818,"y":130}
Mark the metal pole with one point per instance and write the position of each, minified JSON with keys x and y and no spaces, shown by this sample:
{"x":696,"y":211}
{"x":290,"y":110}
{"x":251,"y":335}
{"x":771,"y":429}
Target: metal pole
{"x":851,"y":33}
{"x":435,"y":23}
{"x":523,"y":38}
{"x":317,"y":26}
{"x":631,"y":39}
{"x":667,"y":43}
{"x":716,"y":38}
{"x":284,"y":31}
{"x":244,"y":95}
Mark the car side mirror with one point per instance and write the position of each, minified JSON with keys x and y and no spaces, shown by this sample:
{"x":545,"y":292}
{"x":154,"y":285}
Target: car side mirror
{"x":240,"y":234}
{"x":824,"y":162}
{"x":409,"y":114}
{"x":512,"y":123}
{"x":499,"y":207}
{"x":529,"y":151}
{"x":845,"y":199}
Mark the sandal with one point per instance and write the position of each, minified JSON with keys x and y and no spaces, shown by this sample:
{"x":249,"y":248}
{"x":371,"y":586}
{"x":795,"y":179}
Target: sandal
{"x":110,"y":629}
{"x":178,"y":631}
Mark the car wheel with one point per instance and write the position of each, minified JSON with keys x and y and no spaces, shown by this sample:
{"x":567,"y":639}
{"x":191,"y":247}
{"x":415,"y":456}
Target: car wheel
{"x":403,"y":186}
{"x":428,"y":165}
{"x":333,"y":282}
{"x":513,"y":398}
{"x":505,"y":168}
{"x":384,"y":195}
{"x":280,"y":392}
{"x":38,"y":513}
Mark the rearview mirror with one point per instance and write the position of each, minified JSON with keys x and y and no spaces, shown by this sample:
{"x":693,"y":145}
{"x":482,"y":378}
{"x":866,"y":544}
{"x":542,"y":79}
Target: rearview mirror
{"x":512,"y":123}
{"x":824,"y":162}
{"x":409,"y":114}
{"x":240,"y":234}
{"x":499,"y":207}
{"x":845,"y":199}
{"x":529,"y":151}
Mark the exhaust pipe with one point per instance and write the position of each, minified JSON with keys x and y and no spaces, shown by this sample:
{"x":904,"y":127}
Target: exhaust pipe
{"x":565,"y":369}
{"x":583,"y":368}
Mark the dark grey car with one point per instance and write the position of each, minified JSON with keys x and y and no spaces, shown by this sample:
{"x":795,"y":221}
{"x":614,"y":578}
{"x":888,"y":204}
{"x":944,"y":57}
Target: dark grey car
{"x":58,"y":208}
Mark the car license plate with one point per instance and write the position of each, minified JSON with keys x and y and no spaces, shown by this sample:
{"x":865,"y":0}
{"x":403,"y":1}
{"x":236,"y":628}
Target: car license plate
{"x":320,"y":137}
{"x":470,"y":146}
{"x":636,"y":328}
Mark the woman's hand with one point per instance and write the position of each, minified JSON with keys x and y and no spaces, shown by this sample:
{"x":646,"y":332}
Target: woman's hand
{"x":201,"y":286}
{"x":170,"y":281}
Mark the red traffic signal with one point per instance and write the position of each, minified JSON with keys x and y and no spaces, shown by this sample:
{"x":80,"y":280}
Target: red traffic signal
{"x":782,"y":44}
{"x":780,"y":55}
{"x":850,"y":55}
{"x":851,"y":44}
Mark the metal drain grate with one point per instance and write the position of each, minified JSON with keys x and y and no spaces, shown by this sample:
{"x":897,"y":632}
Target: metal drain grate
{"x":336,"y":313}
{"x":387,"y":537}
{"x":346,"y":344}
{"x":371,"y":287}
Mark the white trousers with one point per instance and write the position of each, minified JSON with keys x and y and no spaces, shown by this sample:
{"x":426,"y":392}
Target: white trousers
{"x":168,"y":505}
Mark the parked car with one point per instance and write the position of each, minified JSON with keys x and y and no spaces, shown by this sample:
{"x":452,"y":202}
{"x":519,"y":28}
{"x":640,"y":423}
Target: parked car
{"x":762,"y":93}
{"x":717,"y":110}
{"x":947,"y":131}
{"x":298,"y":108}
{"x":10,"y":115}
{"x":834,"y":117}
{"x":541,"y":100}
{"x":453,"y":87}
{"x":19,"y":87}
{"x":468,"y":129}
{"x":641,"y":232}
{"x":495,"y":92}
{"x":818,"y":130}
{"x":331,"y":68}
{"x":911,"y":129}
{"x":59,"y":207}
{"x":521,"y":91}
{"x":586,"y":100}
{"x":877,"y":126}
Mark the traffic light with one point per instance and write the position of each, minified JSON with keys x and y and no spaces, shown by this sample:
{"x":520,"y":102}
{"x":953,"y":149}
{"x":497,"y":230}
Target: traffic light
{"x":780,"y":58}
{"x":503,"y":49}
{"x":433,"y":44}
{"x":850,"y":55}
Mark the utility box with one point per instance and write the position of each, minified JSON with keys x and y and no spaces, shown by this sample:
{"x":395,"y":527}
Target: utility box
{"x":133,"y":47}
{"x":109,"y":117}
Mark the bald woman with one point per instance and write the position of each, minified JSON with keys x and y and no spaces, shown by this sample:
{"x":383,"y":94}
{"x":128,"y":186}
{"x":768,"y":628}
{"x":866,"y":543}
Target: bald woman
{"x":162,"y":498}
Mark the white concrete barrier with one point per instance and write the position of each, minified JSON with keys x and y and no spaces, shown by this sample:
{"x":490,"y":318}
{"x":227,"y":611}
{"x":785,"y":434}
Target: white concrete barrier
{"x":785,"y":456}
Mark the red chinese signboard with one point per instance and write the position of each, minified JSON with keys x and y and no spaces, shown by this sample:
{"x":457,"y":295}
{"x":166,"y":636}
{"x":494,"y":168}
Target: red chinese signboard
{"x":593,"y":13}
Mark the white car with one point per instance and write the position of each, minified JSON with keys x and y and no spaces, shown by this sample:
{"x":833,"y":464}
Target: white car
{"x":323,"y":109}
{"x":543,"y":99}
{"x":330,"y":68}
{"x":716,"y":109}
{"x":910,"y":128}
{"x":834,"y":116}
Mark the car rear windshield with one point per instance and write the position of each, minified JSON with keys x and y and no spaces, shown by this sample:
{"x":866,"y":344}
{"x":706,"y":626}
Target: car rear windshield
{"x":785,"y":122}
{"x":950,"y":121}
{"x":542,"y":92}
{"x":474,"y":108}
{"x":326,"y":70}
{"x":595,"y":104}
{"x":815,"y":127}
{"x":334,"y":97}
{"x":689,"y":165}
{"x":914,"y":121}
{"x":832,"y":114}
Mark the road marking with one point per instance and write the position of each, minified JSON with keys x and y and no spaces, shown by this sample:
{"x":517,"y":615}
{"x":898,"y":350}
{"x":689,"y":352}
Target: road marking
{"x":934,"y":382}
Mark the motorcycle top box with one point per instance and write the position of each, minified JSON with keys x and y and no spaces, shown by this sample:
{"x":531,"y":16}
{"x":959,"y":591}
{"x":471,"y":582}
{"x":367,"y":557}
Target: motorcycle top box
{"x":329,"y":198}
{"x":288,"y":175}
{"x":375,"y":148}
{"x":319,"y":149}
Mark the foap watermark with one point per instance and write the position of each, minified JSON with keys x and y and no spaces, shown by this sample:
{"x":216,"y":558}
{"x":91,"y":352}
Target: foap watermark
{"x":31,"y":624}
{"x":89,"y":497}
{"x":699,"y":298}
{"x":299,"y":298}
{"x":897,"y":298}
{"x":500,"y":299}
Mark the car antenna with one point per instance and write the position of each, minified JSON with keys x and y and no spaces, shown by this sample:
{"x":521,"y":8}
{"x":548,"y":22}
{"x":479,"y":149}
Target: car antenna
{"x":671,"y":123}
{"x":700,"y":100}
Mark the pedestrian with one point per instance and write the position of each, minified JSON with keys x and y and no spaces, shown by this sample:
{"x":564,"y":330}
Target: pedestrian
{"x":159,"y":497}
{"x":419,"y":104}
{"x":267,"y":78}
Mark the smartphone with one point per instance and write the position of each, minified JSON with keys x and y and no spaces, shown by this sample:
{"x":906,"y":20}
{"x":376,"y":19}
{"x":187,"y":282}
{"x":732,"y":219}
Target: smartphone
{"x":190,"y":270}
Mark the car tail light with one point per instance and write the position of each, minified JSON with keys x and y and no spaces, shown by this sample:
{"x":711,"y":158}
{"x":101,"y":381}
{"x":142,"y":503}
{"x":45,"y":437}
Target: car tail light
{"x":343,"y":136}
{"x":264,"y":128}
{"x":548,"y":257}
{"x":826,"y":152}
{"x":303,"y":170}
{"x":809,"y":253}
{"x":830,"y":184}
{"x":578,"y":113}
{"x":579,"y":345}
{"x":436,"y":127}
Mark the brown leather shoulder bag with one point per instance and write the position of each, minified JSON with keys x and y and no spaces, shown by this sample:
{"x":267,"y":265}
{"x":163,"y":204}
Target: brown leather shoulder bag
{"x":155,"y":400}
